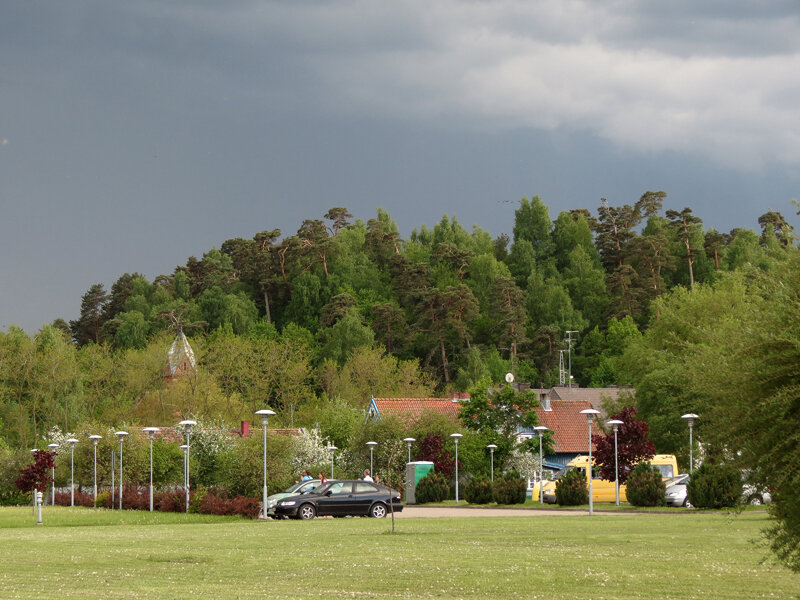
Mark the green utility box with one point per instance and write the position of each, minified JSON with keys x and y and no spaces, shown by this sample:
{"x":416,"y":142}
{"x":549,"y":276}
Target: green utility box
{"x":414,"y":472}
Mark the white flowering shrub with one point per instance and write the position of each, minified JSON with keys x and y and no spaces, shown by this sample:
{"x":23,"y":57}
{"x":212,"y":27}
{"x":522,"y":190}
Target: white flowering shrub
{"x":310,"y":451}
{"x":524,"y":463}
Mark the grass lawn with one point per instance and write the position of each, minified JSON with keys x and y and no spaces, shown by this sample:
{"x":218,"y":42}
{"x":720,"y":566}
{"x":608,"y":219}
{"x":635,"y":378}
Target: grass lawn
{"x":84,"y":553}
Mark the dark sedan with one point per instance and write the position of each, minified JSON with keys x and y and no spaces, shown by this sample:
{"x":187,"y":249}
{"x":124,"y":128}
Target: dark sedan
{"x":341,"y":499}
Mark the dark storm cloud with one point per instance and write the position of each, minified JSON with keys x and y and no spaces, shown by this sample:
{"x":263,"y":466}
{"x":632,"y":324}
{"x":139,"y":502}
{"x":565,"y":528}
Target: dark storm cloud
{"x":137,"y":133}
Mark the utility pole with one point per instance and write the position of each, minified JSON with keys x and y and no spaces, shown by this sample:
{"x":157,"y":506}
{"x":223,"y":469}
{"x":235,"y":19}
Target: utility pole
{"x":568,"y":339}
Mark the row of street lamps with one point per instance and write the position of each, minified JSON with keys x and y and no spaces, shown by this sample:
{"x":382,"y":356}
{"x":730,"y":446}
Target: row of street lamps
{"x":266,"y":413}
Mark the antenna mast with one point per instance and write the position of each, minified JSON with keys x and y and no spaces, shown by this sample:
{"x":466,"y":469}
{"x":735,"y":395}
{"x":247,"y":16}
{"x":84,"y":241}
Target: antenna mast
{"x":568,"y":339}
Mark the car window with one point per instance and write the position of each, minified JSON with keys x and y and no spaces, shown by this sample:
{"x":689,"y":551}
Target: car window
{"x":666,"y":470}
{"x":363,"y":487}
{"x":307,"y":487}
{"x":340,"y":487}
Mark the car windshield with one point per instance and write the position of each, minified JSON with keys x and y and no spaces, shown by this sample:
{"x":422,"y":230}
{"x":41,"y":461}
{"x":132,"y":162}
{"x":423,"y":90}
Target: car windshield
{"x":677,"y":480}
{"x":561,"y":472}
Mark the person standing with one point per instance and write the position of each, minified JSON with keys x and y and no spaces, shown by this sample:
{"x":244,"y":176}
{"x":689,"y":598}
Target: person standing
{"x":306,"y":476}
{"x":367,"y":476}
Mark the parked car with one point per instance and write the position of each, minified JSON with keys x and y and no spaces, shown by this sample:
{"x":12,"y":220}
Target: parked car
{"x":676,"y":490}
{"x":301,"y":487}
{"x":341,"y":499}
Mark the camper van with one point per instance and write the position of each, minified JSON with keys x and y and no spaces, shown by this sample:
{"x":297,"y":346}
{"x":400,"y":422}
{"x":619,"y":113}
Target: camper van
{"x":602,"y":489}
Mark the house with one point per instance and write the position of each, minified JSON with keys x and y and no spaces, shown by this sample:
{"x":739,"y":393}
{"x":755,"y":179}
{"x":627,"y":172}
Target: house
{"x":560,"y":411}
{"x":409,"y":409}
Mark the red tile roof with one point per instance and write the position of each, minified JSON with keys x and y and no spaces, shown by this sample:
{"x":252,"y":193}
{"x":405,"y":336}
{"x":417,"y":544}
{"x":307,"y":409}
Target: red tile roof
{"x":568,"y":425}
{"x":413,"y":408}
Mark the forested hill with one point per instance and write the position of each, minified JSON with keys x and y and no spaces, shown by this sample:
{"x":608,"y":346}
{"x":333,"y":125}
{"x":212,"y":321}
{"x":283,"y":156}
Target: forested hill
{"x":456,"y":300}
{"x":346,"y":308}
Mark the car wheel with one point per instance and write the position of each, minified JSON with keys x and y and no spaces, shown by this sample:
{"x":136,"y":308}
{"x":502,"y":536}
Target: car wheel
{"x":307,"y":512}
{"x":378,"y":510}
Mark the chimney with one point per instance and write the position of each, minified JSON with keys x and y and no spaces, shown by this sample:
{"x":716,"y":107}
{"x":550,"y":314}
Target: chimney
{"x":245,"y":432}
{"x":545,"y":400}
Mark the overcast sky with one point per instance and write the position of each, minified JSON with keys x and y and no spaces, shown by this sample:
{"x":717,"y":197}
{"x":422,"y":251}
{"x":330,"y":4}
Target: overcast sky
{"x":136,"y":133}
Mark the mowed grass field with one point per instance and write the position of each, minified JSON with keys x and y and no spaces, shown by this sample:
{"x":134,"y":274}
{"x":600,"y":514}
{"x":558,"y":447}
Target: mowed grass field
{"x":85,"y":553}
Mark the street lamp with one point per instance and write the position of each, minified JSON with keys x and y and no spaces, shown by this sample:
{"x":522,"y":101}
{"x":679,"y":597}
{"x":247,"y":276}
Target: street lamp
{"x":265,"y":415}
{"x":456,"y":437}
{"x":94,"y":439}
{"x":690,"y":417}
{"x":615,"y":423}
{"x":72,"y":442}
{"x":184,"y":447}
{"x":409,"y":441}
{"x":53,"y":447}
{"x":492,"y":448}
{"x":540,"y":429}
{"x":121,"y":435}
{"x":187,"y":424}
{"x":333,"y":449}
{"x":152,"y":432}
{"x":371,"y":448}
{"x":590,"y":414}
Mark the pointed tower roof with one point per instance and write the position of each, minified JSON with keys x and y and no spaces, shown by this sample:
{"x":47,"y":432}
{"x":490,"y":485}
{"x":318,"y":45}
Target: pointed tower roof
{"x":180,"y":358}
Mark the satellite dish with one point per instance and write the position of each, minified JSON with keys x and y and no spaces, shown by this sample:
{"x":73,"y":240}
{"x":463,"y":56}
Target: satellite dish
{"x":509,"y":378}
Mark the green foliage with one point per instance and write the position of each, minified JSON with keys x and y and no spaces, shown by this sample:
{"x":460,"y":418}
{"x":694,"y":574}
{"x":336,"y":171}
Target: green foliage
{"x":715,"y":486}
{"x":571,"y":489}
{"x":645,"y":487}
{"x":509,"y":488}
{"x":434,"y":487}
{"x":478,"y":491}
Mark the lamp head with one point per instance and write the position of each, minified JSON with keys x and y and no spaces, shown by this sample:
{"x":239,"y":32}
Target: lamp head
{"x":456,"y":437}
{"x":119,"y":434}
{"x":187,"y":423}
{"x":371,"y":444}
{"x":590,"y":414}
{"x":615,"y":423}
{"x":332,"y":448}
{"x":409,"y":440}
{"x":72,"y":441}
{"x":492,"y":447}
{"x":94,"y":438}
{"x":265,"y":415}
{"x":52,"y":446}
{"x":151,"y":430}
{"x":690,"y":418}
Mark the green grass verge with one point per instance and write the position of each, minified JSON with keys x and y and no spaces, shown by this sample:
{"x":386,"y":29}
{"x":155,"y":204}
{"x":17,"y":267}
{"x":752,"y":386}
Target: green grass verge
{"x":83,"y":553}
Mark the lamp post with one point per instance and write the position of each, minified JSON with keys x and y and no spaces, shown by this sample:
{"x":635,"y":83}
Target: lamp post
{"x":409,"y":441}
{"x":492,"y":448}
{"x":456,"y":437}
{"x":72,"y":442}
{"x":615,"y":423}
{"x":690,"y":418}
{"x":590,"y":413}
{"x":121,"y":435}
{"x":152,"y":432}
{"x":184,"y":447}
{"x":94,"y":439}
{"x":540,"y":429}
{"x":333,"y":449}
{"x":53,"y":447}
{"x":265,"y":415}
{"x":187,"y":425}
{"x":371,"y":446}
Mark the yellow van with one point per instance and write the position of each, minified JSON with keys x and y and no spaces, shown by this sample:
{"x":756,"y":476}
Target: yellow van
{"x":602,"y":489}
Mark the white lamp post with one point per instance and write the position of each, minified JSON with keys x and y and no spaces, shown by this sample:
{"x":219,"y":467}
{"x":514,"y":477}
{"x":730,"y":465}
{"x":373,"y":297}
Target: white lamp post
{"x":492,"y":448}
{"x":409,"y":441}
{"x":94,"y":439}
{"x":121,"y":435}
{"x":53,"y":447}
{"x":456,"y":437}
{"x":72,"y":442}
{"x":690,"y":418}
{"x":187,"y":425}
{"x":152,"y":432}
{"x":590,"y":414}
{"x":184,"y":447}
{"x":265,"y":414}
{"x":371,"y":446}
{"x":615,"y":423}
{"x":540,"y":429}
{"x":333,"y":449}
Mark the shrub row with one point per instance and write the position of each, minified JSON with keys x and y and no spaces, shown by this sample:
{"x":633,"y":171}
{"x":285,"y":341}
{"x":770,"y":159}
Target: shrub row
{"x":201,"y":501}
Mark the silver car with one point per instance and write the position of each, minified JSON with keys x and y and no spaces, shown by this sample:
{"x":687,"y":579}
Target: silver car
{"x":676,"y":490}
